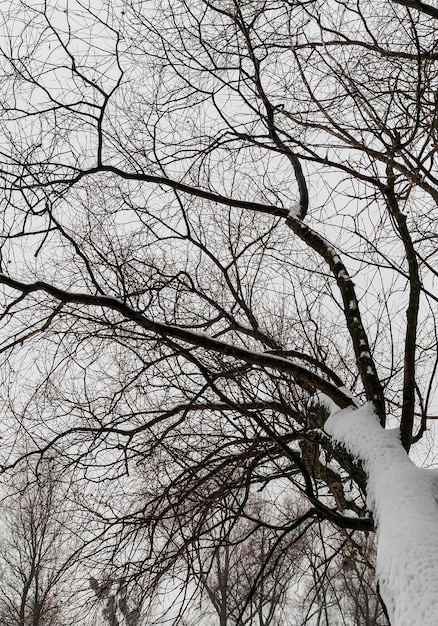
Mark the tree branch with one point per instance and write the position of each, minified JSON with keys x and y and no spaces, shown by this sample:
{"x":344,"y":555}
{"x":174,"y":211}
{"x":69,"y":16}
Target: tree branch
{"x":419,"y":6}
{"x":361,"y":346}
{"x":262,"y":359}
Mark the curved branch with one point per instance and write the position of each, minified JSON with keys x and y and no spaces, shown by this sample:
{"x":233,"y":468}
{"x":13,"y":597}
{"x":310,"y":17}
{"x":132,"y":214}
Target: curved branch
{"x":270,"y":121}
{"x":304,"y":376}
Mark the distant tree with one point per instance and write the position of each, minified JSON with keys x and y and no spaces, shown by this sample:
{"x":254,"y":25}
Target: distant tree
{"x":339,"y":583}
{"x":116,"y":605}
{"x":37,"y":577}
{"x":244,"y":573}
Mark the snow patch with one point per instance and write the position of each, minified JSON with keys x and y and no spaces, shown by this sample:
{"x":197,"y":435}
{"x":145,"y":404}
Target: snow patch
{"x":295,"y":211}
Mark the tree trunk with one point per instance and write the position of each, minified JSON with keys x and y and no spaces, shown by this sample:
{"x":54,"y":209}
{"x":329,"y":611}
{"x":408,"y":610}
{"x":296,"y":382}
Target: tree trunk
{"x":403,"y":500}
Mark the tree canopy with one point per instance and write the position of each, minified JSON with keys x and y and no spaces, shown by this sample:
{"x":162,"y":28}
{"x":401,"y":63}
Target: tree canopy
{"x":218,"y":229}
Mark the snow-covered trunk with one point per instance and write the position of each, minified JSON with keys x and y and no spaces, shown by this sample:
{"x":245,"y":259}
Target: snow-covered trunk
{"x":403,"y":499}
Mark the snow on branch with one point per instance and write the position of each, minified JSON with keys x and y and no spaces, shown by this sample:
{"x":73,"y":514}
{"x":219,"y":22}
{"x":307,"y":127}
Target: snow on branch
{"x":361,"y":345}
{"x":303,"y":376}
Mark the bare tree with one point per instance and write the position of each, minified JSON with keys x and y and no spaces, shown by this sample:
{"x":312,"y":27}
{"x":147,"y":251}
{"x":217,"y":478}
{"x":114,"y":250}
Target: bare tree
{"x":38,"y":586}
{"x":338,"y":583}
{"x":242,"y":572}
{"x":220,"y":228}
